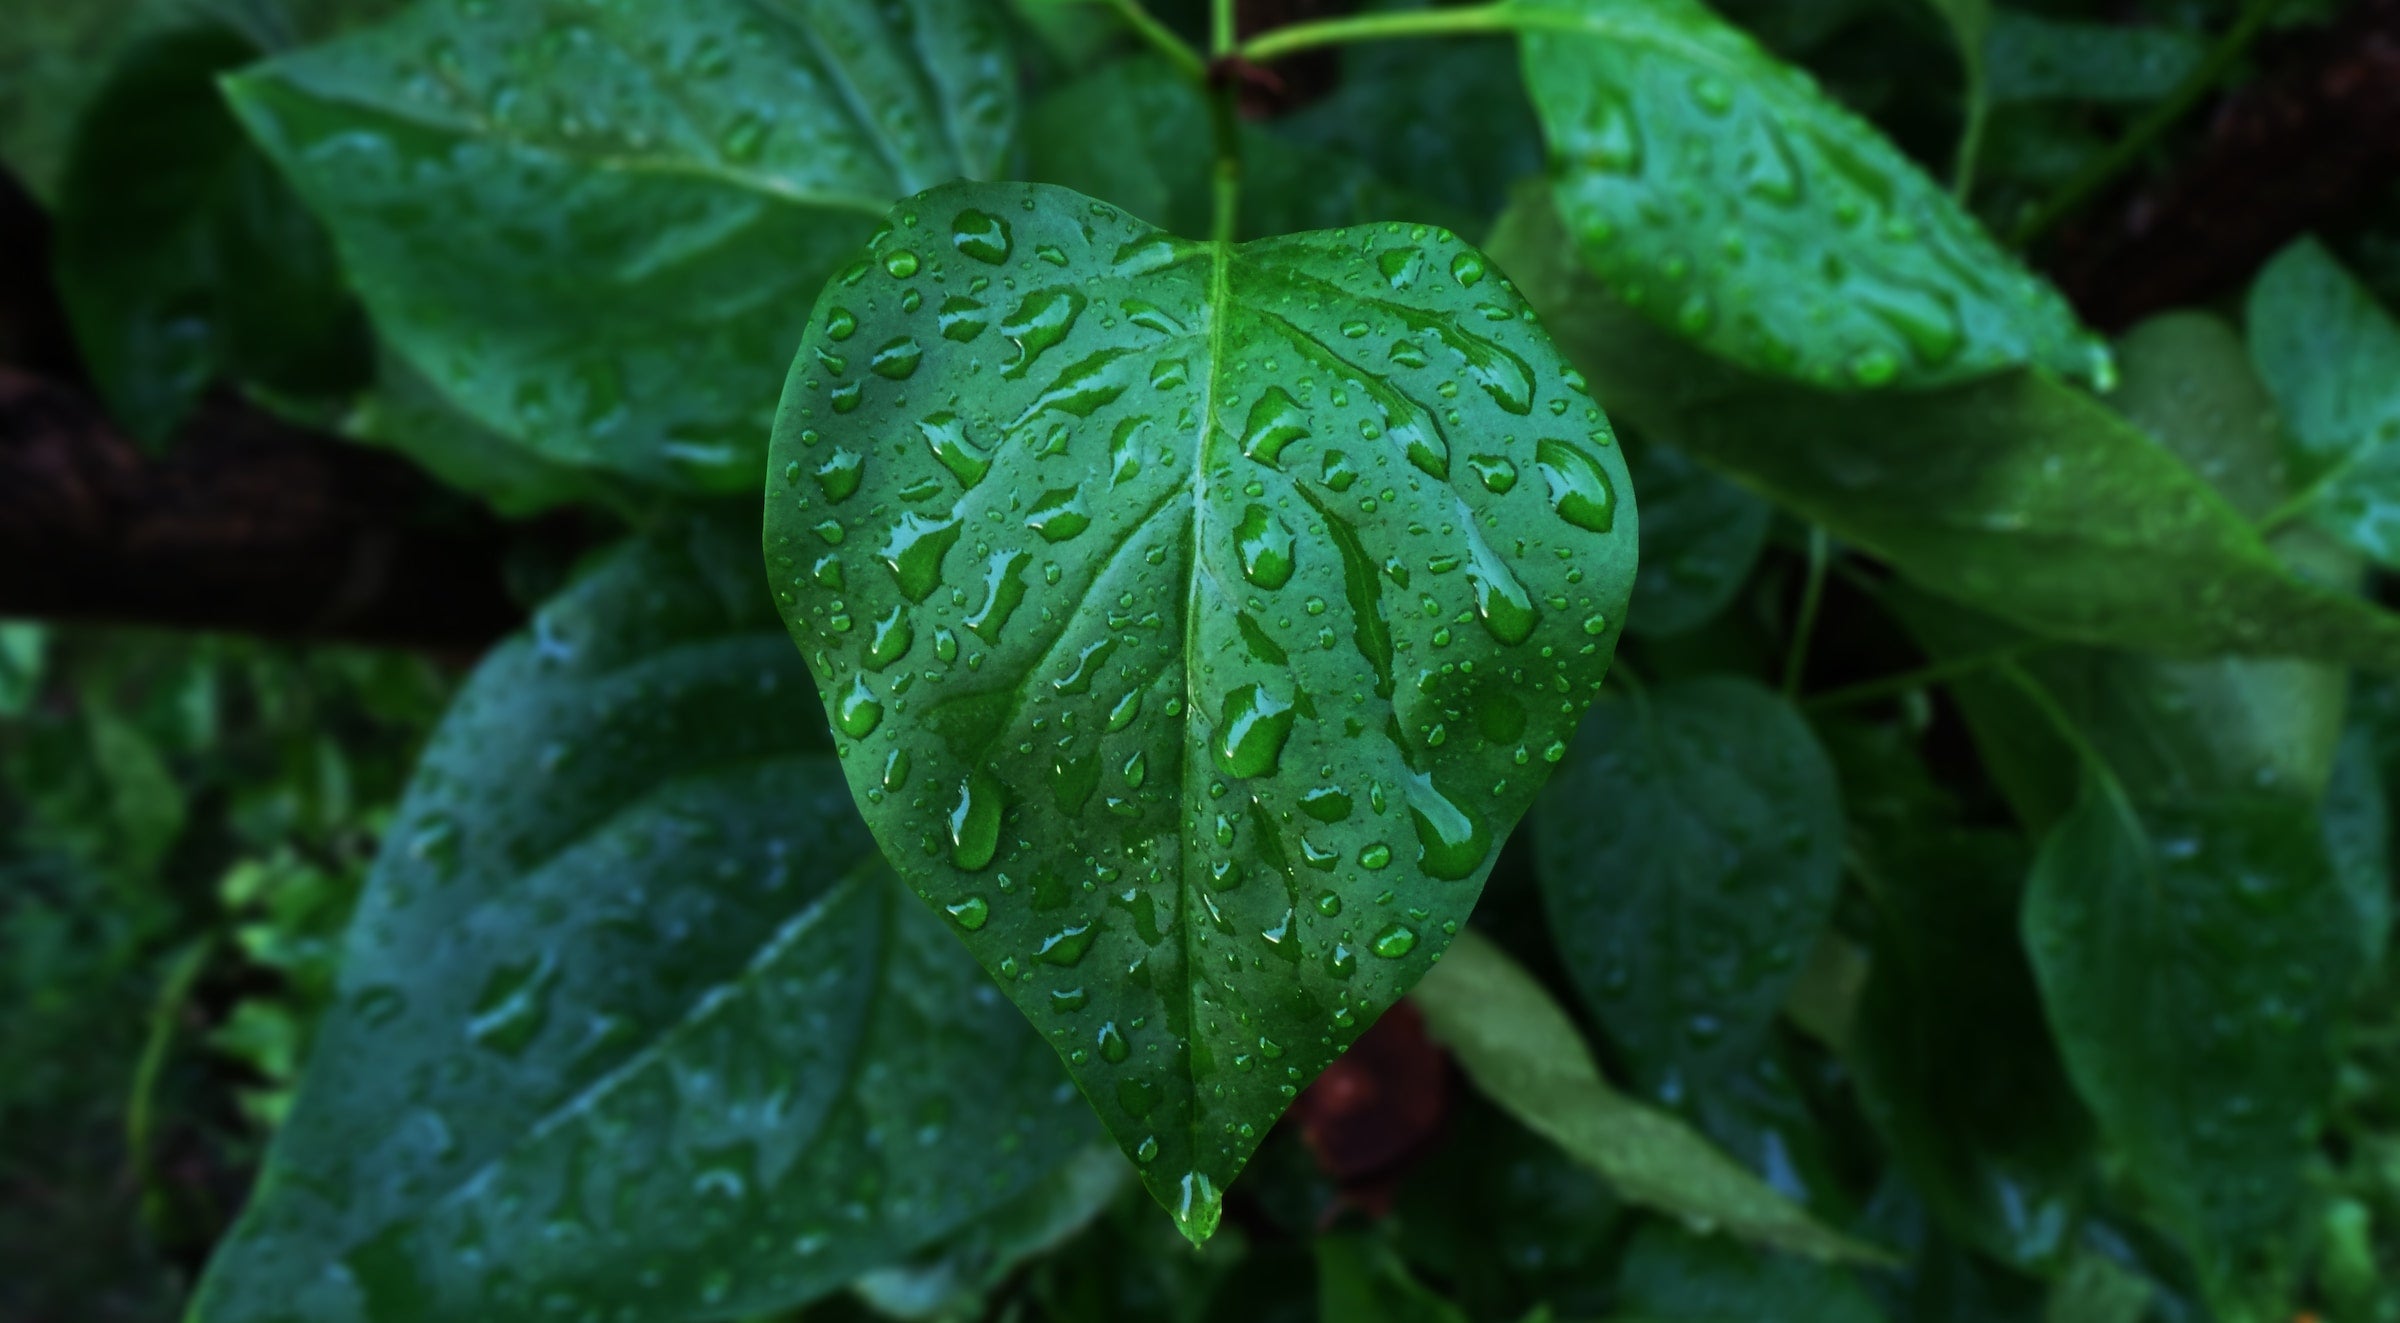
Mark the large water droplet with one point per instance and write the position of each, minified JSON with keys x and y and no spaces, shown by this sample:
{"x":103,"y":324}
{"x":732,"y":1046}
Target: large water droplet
{"x":893,"y":636}
{"x":1059,"y":515}
{"x":1275,"y":422}
{"x":1264,"y":544}
{"x":858,"y":712}
{"x":1394,"y":942}
{"x":1451,"y":842}
{"x":1041,"y":320}
{"x":840,"y":474}
{"x":898,"y":359}
{"x":946,"y":436}
{"x":971,"y":913}
{"x":975,"y":821}
{"x":1251,"y":731}
{"x":1579,"y":490}
{"x":914,"y":552}
{"x":982,"y":236}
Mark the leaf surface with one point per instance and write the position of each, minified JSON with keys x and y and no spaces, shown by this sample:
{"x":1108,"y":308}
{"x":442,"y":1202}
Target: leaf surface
{"x":597,"y":227}
{"x":1197,"y":619}
{"x":2331,"y":356}
{"x":1701,"y":536}
{"x":630,"y":1019}
{"x":2019,"y":495}
{"x":1522,"y":1051}
{"x":1718,"y":192}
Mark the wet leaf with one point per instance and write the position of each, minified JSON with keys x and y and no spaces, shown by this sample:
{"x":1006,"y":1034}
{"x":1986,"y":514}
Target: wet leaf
{"x":1724,"y":197}
{"x":2020,"y":495}
{"x":1196,"y":619}
{"x":1689,"y":852}
{"x":1522,"y":1051}
{"x":631,"y":1023}
{"x":596,"y":228}
{"x":2331,"y":356}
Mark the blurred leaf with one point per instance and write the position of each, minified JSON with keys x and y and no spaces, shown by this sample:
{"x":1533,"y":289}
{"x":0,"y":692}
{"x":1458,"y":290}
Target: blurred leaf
{"x":952,"y":1279}
{"x":2018,"y":495}
{"x":146,"y":804}
{"x":1701,"y":536}
{"x":598,"y":231}
{"x":24,"y":647}
{"x":1689,"y":852}
{"x":1673,"y":1276}
{"x":2035,"y":57}
{"x":1718,"y":193}
{"x":1522,"y":1051}
{"x":405,"y":412}
{"x":181,"y":255}
{"x":1360,"y":1278}
{"x":629,"y":1012}
{"x":2332,"y":358}
{"x":1495,"y":1217}
{"x":53,"y":56}
{"x":2096,"y":1289}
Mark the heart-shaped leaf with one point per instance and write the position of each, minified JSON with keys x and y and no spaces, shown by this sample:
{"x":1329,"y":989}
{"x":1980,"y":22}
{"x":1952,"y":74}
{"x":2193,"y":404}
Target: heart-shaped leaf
{"x":1196,"y":618}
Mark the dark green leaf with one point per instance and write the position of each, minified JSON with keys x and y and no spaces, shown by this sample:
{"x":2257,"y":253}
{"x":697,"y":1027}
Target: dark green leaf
{"x":1672,"y":1276}
{"x":2097,"y":1289}
{"x":2034,"y":57}
{"x":952,"y":1279}
{"x":405,"y":412}
{"x":1359,"y":1278}
{"x":1690,"y":850}
{"x":2019,"y":495}
{"x":2332,"y":358}
{"x":597,"y":229}
{"x":1718,"y":192}
{"x":23,"y":649}
{"x":182,"y":255}
{"x":629,"y":1016}
{"x":1198,"y":620}
{"x":53,"y":56}
{"x":2193,"y":957}
{"x":1522,"y":1051}
{"x":1701,"y":535}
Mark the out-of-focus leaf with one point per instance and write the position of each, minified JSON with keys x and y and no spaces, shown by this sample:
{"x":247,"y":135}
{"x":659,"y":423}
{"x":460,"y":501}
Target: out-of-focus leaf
{"x":24,"y":647}
{"x":1701,"y":535}
{"x":2332,"y":358}
{"x":1196,"y":573}
{"x":2020,"y":495}
{"x":1503,"y":1224}
{"x":53,"y":56}
{"x":2035,"y":57}
{"x":1673,"y":1276}
{"x":952,"y":1279}
{"x":404,"y":412}
{"x":1360,"y":1278}
{"x":1690,"y":851}
{"x":1522,"y":1051}
{"x":182,"y":256}
{"x":146,"y":803}
{"x":598,"y":229}
{"x":1720,"y":194}
{"x":629,"y":1016}
{"x":2098,"y":1289}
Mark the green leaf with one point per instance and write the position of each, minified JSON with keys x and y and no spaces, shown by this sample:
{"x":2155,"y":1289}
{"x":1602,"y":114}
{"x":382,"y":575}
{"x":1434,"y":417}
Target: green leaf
{"x":2097,"y":1289}
{"x":406,"y":413}
{"x":1952,"y":1055}
{"x":2034,"y":57}
{"x":1078,"y":137}
{"x":1198,"y":619}
{"x":1518,"y":1047}
{"x":24,"y":648}
{"x":1719,"y":193}
{"x":596,"y":229}
{"x":629,"y":1015}
{"x":2332,"y":358}
{"x":1690,"y":850}
{"x":53,"y":56}
{"x":1360,"y":1278}
{"x":1672,"y":1276}
{"x":953,"y":1278}
{"x":1701,"y":536}
{"x":2194,"y":958}
{"x":182,"y":255}
{"x":2020,"y":495}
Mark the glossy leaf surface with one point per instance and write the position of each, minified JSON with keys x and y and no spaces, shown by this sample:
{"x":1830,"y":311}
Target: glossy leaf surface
{"x":597,"y":227}
{"x":631,"y":1024}
{"x":2332,"y":358}
{"x":1520,"y":1049}
{"x":1689,"y":852}
{"x":1196,"y":621}
{"x":1720,"y":193}
{"x":2021,"y":496}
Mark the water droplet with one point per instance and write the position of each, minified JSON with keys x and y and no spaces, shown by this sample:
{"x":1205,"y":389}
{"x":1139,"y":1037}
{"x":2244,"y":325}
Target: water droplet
{"x":1498,"y":474}
{"x":962,"y":319}
{"x":1059,"y":515}
{"x":1275,"y":422}
{"x":975,"y":821}
{"x":914,"y":551}
{"x":971,"y":913}
{"x":893,"y":636}
{"x":1113,"y":1048}
{"x":1375,"y":857}
{"x":1579,"y":489}
{"x":898,"y":359}
{"x":839,"y":475}
{"x":1265,"y":546}
{"x":946,"y":436}
{"x":982,"y":236}
{"x":840,"y":324}
{"x":1451,"y":842}
{"x":1326,"y":804}
{"x":1067,"y":945}
{"x":1394,"y":942}
{"x":1251,"y":731}
{"x":1040,"y":322}
{"x":858,"y":712}
{"x":1467,"y":268}
{"x":901,"y":263}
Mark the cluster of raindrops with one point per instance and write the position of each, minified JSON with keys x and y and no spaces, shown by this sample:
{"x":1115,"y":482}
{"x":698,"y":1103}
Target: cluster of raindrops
{"x":1754,"y":214}
{"x":1195,"y":620}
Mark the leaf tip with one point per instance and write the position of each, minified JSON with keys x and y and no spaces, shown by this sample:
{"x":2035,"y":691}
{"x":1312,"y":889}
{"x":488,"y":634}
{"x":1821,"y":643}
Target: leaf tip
{"x":1197,"y":1208}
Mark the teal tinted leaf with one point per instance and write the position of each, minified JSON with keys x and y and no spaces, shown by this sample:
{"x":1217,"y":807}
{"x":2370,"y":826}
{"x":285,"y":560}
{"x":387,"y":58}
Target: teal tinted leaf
{"x":1953,"y":1058}
{"x":2358,"y":831}
{"x":1198,"y":619}
{"x":182,"y":255}
{"x":1130,"y":133}
{"x":405,"y":412}
{"x":597,"y":228}
{"x":2019,"y":495}
{"x":1672,"y":1276}
{"x":1701,"y":536}
{"x":2034,"y":57}
{"x":1446,"y":120}
{"x":953,"y":1277}
{"x":1718,"y":192}
{"x":2331,"y":356}
{"x":24,"y":649}
{"x":630,"y":1019}
{"x":1689,"y":852}
{"x":2193,"y":958}
{"x":1521,"y":1050}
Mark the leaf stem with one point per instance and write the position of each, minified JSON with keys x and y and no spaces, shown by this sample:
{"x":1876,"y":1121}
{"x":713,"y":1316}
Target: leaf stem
{"x":1867,"y":691}
{"x":1970,"y":136}
{"x":182,"y":972}
{"x":1223,"y":33}
{"x":1820,"y":552}
{"x":2105,"y":167}
{"x":1146,"y":26}
{"x":1225,"y":127}
{"x":1435,"y":22}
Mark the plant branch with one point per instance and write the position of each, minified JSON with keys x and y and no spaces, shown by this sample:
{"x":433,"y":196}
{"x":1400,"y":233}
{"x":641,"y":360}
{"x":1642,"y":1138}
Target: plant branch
{"x":1795,"y":662}
{"x":2101,"y":169}
{"x":1434,"y":22}
{"x":1160,"y":37}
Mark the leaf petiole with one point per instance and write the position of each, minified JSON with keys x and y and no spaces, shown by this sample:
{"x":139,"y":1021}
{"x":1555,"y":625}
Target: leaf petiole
{"x":1503,"y":17}
{"x":1146,"y":26}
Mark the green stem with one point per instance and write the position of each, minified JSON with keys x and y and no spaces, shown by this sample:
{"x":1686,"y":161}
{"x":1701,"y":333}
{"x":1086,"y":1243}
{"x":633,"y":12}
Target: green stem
{"x":1970,"y":137}
{"x":1820,"y":552}
{"x":1225,"y":126}
{"x":1435,"y":22}
{"x":2096,"y":174}
{"x":182,"y":972}
{"x":1223,"y":34}
{"x":2085,"y":751}
{"x":1941,"y":672}
{"x":1146,"y":26}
